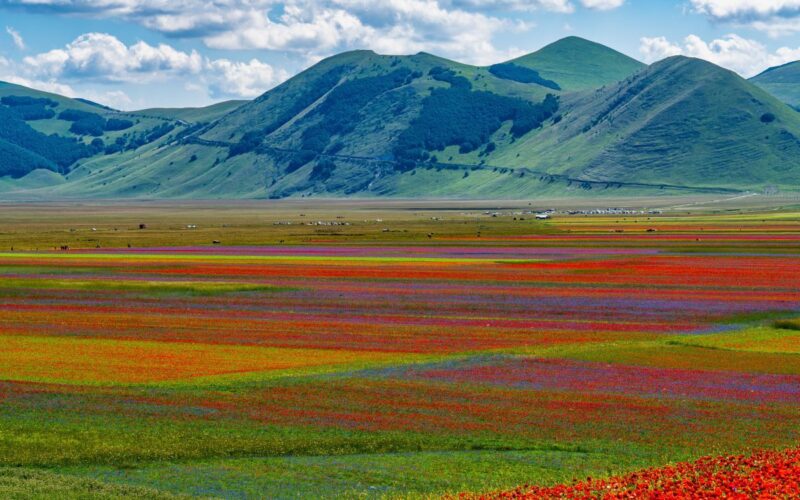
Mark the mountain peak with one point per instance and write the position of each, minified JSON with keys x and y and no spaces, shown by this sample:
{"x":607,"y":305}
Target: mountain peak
{"x":782,"y":81}
{"x":579,"y":64}
{"x":794,"y":66}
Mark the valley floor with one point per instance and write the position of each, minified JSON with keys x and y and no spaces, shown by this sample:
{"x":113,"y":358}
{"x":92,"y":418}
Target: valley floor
{"x":389,"y":349}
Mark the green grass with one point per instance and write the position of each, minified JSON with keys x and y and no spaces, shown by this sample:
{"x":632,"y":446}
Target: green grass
{"x":782,"y":81}
{"x":407,"y":475}
{"x":578,"y":64}
{"x":42,"y":484}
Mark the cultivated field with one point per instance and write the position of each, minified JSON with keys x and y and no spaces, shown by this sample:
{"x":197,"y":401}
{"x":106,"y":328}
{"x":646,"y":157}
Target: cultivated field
{"x":396,"y":349}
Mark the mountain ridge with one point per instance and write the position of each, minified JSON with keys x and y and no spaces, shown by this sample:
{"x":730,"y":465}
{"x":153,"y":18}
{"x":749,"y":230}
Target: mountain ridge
{"x":364,"y":124}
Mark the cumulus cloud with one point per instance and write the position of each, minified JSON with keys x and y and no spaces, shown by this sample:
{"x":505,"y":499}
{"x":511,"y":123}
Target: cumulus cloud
{"x":775,"y":17}
{"x":602,"y":4}
{"x":563,"y":6}
{"x":16,"y":38}
{"x":462,"y":29}
{"x":746,"y":57}
{"x":104,"y":57}
{"x":100,"y":57}
{"x":241,"y":79}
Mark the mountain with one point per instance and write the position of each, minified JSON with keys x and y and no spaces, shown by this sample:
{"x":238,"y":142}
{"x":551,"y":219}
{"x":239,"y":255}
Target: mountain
{"x":40,"y":130}
{"x":352,"y":109}
{"x":363,"y":124}
{"x":578,"y":64}
{"x":680,"y":121}
{"x":783,"y":82}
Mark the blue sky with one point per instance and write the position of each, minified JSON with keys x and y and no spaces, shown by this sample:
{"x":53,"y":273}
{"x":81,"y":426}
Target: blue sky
{"x":140,"y":53}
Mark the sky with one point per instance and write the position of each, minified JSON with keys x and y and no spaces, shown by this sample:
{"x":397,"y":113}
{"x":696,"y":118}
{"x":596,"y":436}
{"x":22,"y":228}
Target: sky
{"x":134,"y":54}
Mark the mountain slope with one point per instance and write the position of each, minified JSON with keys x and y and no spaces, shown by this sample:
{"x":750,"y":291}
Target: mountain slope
{"x":578,"y":64}
{"x":193,"y":115}
{"x":681,"y":121}
{"x":783,"y":82}
{"x":363,"y":124}
{"x":335,"y":128}
{"x":40,"y":130}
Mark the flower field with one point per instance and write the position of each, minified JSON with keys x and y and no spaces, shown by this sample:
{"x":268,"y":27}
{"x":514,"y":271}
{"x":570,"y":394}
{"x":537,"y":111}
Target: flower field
{"x":391,"y":363}
{"x":764,"y":474}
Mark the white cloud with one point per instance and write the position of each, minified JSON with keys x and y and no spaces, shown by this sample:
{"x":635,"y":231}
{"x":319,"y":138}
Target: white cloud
{"x":16,"y":38}
{"x":104,"y":57}
{"x":657,"y":48}
{"x":241,"y":79}
{"x":100,"y":57}
{"x":462,"y":29}
{"x":740,"y":8}
{"x":746,"y":57}
{"x":602,"y":4}
{"x":774,"y":17}
{"x":393,"y":26}
{"x":563,"y":6}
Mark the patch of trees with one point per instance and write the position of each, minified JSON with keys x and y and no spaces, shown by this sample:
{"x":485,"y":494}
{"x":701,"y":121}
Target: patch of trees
{"x":310,"y":94}
{"x":117,"y":124}
{"x":459,"y":117}
{"x":22,"y":100}
{"x":30,"y":108}
{"x":117,"y":146}
{"x":24,"y":144}
{"x":131,"y":141}
{"x":341,"y":111}
{"x":443,"y":74}
{"x":85,"y":123}
{"x":158,"y":132}
{"x":299,"y":159}
{"x":249,"y":141}
{"x":323,"y":170}
{"x":17,"y":162}
{"x":521,"y":74}
{"x":91,"y":124}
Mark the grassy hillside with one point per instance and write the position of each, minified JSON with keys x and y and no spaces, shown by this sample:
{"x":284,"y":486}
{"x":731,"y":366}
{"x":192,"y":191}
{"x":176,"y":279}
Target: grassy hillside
{"x":783,"y":82}
{"x":40,"y":130}
{"x":81,"y":139}
{"x":681,"y":121}
{"x":34,"y":483}
{"x":363,"y":124}
{"x":578,"y":64}
{"x":193,"y":115}
{"x":325,"y":131}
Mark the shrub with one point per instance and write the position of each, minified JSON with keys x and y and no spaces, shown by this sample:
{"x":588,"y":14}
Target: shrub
{"x":323,"y":170}
{"x":459,"y":117}
{"x":115,"y":124}
{"x":510,"y":71}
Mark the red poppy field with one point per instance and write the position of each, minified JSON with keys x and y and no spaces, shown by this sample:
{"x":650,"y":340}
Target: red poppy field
{"x":411,"y":353}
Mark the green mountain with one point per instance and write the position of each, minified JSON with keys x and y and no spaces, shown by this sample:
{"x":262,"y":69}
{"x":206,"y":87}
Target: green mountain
{"x":783,"y":82}
{"x":40,"y":130}
{"x":363,"y":124}
{"x":578,"y":64}
{"x":681,"y":121}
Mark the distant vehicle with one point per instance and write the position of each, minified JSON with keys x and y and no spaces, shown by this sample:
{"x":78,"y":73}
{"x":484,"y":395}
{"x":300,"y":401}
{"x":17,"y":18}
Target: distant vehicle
{"x":542,"y":216}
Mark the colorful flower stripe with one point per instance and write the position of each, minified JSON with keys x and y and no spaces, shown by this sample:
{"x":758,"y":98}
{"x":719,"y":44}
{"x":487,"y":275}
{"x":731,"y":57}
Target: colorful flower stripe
{"x":765,"y":475}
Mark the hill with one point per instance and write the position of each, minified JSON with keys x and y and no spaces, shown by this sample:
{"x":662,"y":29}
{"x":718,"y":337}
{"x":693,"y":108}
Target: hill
{"x":579,"y":64}
{"x":364,"y":124}
{"x":334,"y":128}
{"x":41,"y":130}
{"x":680,"y":121}
{"x":783,"y":82}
